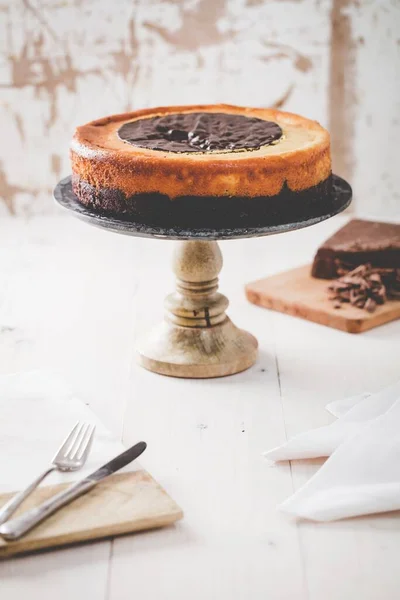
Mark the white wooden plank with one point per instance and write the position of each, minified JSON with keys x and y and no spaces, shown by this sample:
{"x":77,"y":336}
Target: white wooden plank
{"x":316,"y":366}
{"x":71,"y":301}
{"x":69,"y":291}
{"x":336,"y":564}
{"x":205,"y":442}
{"x":79,"y":572}
{"x":66,"y":304}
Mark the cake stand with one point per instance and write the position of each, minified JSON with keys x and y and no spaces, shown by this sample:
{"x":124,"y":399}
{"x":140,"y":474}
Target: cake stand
{"x":197,"y":339}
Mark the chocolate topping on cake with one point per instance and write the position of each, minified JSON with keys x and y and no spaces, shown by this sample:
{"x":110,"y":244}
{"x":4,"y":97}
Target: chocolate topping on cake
{"x":200,"y":132}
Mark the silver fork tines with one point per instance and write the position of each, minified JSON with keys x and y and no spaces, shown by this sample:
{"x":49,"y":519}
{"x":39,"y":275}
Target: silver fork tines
{"x":86,"y":442}
{"x":68,"y":442}
{"x":71,"y":456}
{"x":74,"y":450}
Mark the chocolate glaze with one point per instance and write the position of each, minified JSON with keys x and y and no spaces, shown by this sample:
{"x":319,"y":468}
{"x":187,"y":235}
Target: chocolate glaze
{"x":200,"y":132}
{"x":202,"y":212}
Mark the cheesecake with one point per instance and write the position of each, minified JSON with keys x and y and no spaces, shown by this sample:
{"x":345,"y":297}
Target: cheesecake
{"x":209,"y":166}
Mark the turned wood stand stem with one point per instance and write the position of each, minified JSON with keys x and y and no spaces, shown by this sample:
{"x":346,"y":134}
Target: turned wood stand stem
{"x":197,"y":338}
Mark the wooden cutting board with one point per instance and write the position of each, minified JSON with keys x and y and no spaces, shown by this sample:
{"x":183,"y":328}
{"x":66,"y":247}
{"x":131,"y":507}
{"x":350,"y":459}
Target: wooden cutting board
{"x":122,"y":503}
{"x":296,"y":293}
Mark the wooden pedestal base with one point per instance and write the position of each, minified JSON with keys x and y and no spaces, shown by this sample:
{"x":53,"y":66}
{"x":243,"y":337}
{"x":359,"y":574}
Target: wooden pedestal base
{"x":197,"y":339}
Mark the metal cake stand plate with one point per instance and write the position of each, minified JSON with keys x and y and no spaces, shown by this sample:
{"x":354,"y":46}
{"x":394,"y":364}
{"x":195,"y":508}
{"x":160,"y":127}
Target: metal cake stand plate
{"x":197,"y":339}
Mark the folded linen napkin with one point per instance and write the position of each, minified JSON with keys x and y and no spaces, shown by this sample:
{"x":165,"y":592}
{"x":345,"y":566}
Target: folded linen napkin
{"x":37,"y":411}
{"x":362,"y":475}
{"x":354,"y":414}
{"x":343,"y":405}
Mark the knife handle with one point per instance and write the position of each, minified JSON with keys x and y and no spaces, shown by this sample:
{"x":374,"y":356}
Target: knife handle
{"x":11,"y":506}
{"x":15,"y":528}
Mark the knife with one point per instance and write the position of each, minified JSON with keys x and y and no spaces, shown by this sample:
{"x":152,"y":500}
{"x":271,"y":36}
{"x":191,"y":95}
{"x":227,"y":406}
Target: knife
{"x":15,"y":528}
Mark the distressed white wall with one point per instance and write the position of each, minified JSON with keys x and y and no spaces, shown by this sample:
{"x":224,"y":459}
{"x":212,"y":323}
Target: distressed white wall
{"x":376,"y":148}
{"x":64,"y":62}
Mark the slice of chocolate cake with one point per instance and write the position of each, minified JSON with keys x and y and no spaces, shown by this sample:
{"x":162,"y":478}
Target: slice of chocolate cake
{"x":359,"y":242}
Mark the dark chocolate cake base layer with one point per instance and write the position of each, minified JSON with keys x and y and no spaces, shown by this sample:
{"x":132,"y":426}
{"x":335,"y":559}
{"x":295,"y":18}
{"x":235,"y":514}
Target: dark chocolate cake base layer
{"x":327,"y":264}
{"x":203,"y":211}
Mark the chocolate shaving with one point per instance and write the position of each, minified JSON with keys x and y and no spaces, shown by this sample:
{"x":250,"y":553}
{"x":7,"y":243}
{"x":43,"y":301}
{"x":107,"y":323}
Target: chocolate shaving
{"x":389,"y":277}
{"x":364,"y":287}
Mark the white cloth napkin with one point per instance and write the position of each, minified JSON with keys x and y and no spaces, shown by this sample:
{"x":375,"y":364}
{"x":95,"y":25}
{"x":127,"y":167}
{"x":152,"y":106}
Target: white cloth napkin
{"x":362,"y":475}
{"x":37,"y":411}
{"x":354,"y":414}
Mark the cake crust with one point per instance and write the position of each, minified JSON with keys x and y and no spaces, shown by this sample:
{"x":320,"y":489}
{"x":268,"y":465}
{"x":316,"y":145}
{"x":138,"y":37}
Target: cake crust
{"x":102,"y":161}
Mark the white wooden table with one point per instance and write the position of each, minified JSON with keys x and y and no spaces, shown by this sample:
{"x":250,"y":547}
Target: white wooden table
{"x":73,"y":299}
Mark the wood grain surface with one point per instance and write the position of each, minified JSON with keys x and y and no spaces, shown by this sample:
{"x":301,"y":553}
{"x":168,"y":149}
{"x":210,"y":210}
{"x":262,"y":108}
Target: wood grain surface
{"x":298,"y":294}
{"x":122,"y":503}
{"x":74,"y":299}
{"x":197,"y":339}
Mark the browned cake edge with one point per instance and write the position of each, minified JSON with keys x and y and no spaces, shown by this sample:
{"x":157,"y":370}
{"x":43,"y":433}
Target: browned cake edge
{"x":103,"y":162}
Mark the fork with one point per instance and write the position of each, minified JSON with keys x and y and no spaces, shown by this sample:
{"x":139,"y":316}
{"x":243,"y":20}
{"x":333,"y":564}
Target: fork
{"x":71,"y":456}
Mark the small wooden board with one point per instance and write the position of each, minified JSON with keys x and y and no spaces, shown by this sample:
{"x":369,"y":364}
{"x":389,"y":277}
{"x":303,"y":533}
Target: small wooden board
{"x":296,"y":293}
{"x":122,"y":503}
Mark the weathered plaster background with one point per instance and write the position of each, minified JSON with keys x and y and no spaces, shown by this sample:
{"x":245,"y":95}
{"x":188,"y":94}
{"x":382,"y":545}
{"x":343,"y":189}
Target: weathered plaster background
{"x":64,"y":62}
